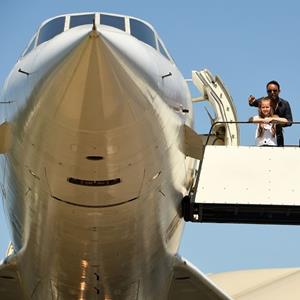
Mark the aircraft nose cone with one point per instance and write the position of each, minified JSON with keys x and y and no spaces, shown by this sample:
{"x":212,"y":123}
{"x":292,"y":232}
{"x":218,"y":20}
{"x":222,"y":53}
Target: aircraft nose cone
{"x":89,"y":90}
{"x":89,"y":105}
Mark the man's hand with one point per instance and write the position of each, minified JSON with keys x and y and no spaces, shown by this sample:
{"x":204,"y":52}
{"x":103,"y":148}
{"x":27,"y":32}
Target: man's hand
{"x":251,"y":99}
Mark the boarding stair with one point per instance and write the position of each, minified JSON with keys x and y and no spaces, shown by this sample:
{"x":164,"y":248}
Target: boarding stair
{"x":240,"y":184}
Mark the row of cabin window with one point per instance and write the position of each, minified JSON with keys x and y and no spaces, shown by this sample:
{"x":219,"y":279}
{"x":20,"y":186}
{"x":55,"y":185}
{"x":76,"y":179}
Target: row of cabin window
{"x":137,"y":28}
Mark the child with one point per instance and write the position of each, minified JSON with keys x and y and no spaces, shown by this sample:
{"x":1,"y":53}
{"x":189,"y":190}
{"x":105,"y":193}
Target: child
{"x":266,"y":128}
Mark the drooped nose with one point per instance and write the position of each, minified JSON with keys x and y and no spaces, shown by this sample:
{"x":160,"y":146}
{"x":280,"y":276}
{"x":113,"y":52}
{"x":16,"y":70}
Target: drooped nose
{"x":90,"y":89}
{"x":90,"y":105}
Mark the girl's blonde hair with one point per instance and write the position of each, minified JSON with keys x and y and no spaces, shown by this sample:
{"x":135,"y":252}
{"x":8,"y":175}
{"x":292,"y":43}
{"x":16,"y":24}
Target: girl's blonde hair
{"x":271,"y":114}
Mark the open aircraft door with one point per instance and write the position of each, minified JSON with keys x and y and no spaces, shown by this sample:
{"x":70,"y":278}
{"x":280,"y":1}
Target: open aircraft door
{"x":224,"y":128}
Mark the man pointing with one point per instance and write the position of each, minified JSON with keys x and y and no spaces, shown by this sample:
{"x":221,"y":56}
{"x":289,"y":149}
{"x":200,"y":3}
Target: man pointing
{"x":281,"y":108}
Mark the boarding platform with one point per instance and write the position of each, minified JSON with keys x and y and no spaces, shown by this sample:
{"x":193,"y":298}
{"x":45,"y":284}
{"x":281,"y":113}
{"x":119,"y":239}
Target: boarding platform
{"x":238,"y":184}
{"x":246,"y":184}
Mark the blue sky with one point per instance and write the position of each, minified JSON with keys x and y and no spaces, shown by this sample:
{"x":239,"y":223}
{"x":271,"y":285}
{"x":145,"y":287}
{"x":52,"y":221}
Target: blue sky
{"x":247,"y":43}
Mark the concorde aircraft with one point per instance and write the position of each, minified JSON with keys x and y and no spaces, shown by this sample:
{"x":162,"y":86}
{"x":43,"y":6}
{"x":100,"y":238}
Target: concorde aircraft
{"x":98,"y":153}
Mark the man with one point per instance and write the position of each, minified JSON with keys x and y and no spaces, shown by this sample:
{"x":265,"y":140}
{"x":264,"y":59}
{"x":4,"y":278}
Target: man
{"x":281,"y":108}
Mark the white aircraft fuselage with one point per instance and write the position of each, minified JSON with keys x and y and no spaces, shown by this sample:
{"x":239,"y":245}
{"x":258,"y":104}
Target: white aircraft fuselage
{"x":93,"y":182}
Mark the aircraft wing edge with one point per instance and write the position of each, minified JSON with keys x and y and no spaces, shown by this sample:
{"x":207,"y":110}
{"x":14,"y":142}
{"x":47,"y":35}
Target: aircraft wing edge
{"x":260,"y":284}
{"x":189,"y":283}
{"x":10,"y":283}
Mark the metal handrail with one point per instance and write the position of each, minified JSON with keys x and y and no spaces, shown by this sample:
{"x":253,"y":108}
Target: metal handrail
{"x":234,"y":122}
{"x":192,"y":193}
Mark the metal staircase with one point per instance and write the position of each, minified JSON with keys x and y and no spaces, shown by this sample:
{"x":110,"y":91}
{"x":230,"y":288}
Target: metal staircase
{"x":238,"y":184}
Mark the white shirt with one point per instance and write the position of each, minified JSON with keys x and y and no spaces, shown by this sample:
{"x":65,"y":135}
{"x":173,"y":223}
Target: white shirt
{"x":267,"y":137}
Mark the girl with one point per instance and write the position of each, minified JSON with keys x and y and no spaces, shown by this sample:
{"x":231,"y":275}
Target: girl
{"x":266,"y":128}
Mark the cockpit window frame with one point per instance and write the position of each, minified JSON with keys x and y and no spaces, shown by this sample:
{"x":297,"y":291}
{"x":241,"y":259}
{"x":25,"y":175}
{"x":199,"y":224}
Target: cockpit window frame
{"x":156,"y":44}
{"x":148,"y":27}
{"x":103,"y":15}
{"x":44,"y":26}
{"x":162,"y":49}
{"x":93,"y":15}
{"x":31,"y":45}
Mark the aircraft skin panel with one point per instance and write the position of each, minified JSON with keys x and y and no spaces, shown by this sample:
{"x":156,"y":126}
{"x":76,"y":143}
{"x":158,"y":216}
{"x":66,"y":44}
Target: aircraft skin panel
{"x":10,"y":285}
{"x":260,"y":284}
{"x":106,"y":227}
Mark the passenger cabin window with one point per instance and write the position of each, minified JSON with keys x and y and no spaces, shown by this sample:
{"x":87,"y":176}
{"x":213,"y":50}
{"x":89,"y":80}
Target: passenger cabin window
{"x":81,"y":20}
{"x":51,"y":29}
{"x":162,"y":50}
{"x":142,"y":32}
{"x":113,"y":21}
{"x":30,"y":47}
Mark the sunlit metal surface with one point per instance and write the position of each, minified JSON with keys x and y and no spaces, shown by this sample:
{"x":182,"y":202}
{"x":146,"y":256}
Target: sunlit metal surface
{"x":96,"y":95}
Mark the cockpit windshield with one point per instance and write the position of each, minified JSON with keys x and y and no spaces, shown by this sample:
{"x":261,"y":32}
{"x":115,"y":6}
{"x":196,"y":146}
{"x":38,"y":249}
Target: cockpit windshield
{"x":137,"y":28}
{"x":31,"y":45}
{"x":142,"y":32}
{"x":113,"y":21}
{"x":51,"y":29}
{"x":162,"y":49}
{"x":81,"y":20}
